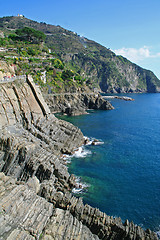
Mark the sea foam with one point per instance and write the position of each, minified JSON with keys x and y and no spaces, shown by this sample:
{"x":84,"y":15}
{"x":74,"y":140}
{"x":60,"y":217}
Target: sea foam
{"x":80,"y":187}
{"x":81,"y":152}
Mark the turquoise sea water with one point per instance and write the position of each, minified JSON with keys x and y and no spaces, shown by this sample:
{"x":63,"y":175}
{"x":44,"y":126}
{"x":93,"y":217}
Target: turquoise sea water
{"x":124,"y":173}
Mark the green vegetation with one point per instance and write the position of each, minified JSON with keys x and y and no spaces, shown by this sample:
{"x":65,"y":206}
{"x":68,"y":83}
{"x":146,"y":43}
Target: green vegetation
{"x":28,"y":34}
{"x":123,"y":59}
{"x":67,"y":58}
{"x":67,"y":75}
{"x":30,"y":56}
{"x":58,"y":63}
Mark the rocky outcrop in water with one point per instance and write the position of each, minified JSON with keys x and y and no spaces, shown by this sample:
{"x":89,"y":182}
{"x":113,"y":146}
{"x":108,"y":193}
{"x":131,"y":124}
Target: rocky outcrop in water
{"x":35,"y":193}
{"x":119,"y":97}
{"x":76,"y":103}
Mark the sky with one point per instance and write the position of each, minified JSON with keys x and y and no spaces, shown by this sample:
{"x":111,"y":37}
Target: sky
{"x":130,"y":28}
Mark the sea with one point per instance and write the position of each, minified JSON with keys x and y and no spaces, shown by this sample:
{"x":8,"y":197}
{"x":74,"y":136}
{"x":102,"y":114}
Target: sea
{"x":121,"y":176}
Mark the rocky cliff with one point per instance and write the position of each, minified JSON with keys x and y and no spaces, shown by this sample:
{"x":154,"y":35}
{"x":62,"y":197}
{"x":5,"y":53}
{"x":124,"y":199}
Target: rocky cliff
{"x":35,"y":194}
{"x":77,"y":103}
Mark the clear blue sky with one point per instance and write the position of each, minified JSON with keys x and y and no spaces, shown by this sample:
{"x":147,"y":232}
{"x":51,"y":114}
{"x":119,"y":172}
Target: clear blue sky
{"x":129,"y":27}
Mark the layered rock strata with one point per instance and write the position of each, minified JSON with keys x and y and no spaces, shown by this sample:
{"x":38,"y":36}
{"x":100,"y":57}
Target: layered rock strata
{"x":35,"y":198}
{"x":23,"y":213}
{"x":31,"y":138}
{"x":76,"y":103}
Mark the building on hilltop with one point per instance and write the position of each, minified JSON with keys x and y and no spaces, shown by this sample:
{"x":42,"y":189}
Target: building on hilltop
{"x":20,"y":15}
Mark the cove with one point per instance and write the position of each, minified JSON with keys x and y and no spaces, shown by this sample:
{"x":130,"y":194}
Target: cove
{"x":123,"y":174}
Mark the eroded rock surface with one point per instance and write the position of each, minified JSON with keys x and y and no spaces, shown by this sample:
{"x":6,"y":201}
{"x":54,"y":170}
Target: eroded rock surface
{"x":35,"y":196}
{"x":76,"y":103}
{"x":63,"y":225}
{"x":23,"y":214}
{"x":31,"y":138}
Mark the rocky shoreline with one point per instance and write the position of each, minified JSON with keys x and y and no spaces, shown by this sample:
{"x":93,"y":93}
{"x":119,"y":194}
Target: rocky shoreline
{"x":77,"y":103}
{"x":35,"y":195}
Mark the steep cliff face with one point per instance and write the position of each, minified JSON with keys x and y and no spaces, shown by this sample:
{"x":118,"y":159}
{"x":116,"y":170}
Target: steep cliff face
{"x":30,"y":134}
{"x":113,"y":74}
{"x":133,"y":78}
{"x":35,"y":198}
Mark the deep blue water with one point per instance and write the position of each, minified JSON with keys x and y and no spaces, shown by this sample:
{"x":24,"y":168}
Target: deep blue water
{"x":124,"y":172}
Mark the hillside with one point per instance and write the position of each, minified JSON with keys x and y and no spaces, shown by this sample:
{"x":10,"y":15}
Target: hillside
{"x":24,"y":56}
{"x":99,"y":66}
{"x":65,"y":91}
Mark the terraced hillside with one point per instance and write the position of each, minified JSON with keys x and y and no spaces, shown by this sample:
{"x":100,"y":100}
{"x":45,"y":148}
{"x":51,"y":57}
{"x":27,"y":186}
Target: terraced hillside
{"x":100,"y":67}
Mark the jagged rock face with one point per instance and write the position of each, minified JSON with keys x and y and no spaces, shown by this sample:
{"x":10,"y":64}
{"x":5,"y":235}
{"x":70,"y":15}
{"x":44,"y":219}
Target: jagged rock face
{"x":21,"y":103}
{"x":76,"y":103}
{"x":32,"y":141}
{"x":64,"y":226}
{"x":31,"y":138}
{"x":25,"y":215}
{"x":100,"y":224}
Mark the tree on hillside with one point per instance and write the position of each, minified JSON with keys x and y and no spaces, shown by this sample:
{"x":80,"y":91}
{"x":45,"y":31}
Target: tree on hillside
{"x":30,"y":35}
{"x":67,"y":74}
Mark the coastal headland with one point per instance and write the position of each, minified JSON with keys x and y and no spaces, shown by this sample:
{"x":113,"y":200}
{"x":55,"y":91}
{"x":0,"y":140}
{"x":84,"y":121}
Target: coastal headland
{"x":45,"y":71}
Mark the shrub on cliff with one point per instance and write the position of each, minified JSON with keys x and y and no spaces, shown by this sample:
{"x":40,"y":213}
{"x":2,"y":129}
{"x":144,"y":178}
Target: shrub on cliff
{"x":58,"y":64}
{"x":67,"y":74}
